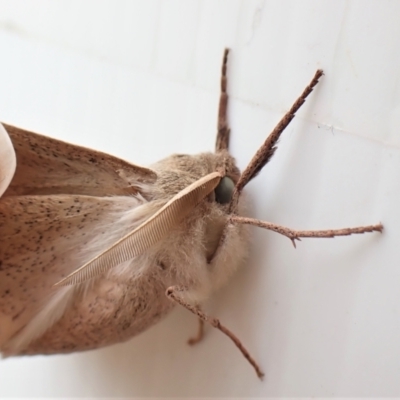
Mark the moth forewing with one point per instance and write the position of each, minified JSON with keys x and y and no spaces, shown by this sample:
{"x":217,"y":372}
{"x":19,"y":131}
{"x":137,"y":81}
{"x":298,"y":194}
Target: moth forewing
{"x":8,"y":160}
{"x":44,"y":238}
{"x":50,"y":166}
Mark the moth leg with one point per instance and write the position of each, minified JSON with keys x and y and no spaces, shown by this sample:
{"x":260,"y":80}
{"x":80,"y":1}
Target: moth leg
{"x":172,"y":294}
{"x":200,"y":333}
{"x":222,"y":142}
{"x":267,"y":150}
{"x":294,"y":235}
{"x":226,"y":232}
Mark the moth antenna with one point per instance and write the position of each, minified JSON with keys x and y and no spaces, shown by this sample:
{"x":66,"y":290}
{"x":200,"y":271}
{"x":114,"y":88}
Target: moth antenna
{"x":148,"y":233}
{"x":294,"y":235}
{"x":222,"y":142}
{"x":267,"y":150}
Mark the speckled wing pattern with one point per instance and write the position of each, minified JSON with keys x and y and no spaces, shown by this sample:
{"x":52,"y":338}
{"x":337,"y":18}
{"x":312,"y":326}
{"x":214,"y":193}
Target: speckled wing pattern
{"x":50,"y":166}
{"x":55,"y":217}
{"x":61,"y":198}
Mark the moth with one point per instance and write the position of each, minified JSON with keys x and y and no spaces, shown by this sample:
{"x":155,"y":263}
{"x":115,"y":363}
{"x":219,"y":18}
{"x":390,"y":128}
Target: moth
{"x":94,"y":250}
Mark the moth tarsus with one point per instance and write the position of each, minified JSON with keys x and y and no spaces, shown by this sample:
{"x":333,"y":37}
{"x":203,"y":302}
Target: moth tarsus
{"x":200,"y":334}
{"x":182,"y":208}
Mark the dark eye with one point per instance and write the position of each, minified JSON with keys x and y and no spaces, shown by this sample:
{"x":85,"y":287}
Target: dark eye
{"x":224,"y":190}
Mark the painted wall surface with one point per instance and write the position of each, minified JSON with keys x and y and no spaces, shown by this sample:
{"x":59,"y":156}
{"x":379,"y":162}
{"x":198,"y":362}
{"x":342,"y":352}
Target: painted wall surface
{"x":140,"y":80}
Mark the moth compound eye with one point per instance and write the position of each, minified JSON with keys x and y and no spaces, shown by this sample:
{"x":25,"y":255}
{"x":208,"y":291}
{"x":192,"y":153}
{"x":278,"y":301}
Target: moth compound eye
{"x":224,"y":190}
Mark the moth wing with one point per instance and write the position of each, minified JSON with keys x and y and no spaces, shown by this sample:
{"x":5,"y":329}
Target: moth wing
{"x":7,"y":160}
{"x":149,"y":232}
{"x":44,"y":238}
{"x":51,"y":166}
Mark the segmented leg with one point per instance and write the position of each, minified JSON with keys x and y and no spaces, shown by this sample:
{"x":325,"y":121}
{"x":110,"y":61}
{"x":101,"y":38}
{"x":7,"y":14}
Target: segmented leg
{"x":229,"y":230}
{"x":222,"y":142}
{"x":172,"y":293}
{"x":294,"y":235}
{"x":266,"y":151}
{"x":200,"y":334}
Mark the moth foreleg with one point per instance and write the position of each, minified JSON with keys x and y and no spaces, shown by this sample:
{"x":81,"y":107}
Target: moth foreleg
{"x":173,"y":294}
{"x":222,"y":142}
{"x":229,"y":232}
{"x":267,"y":150}
{"x":294,"y":235}
{"x":200,"y":333}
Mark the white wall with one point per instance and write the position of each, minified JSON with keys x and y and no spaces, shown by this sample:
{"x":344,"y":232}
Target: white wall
{"x":140,"y":80}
